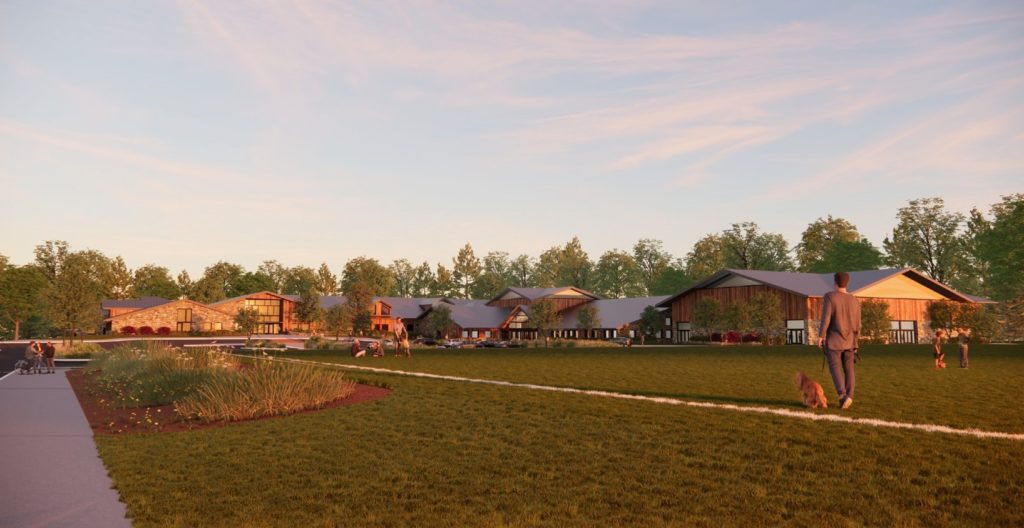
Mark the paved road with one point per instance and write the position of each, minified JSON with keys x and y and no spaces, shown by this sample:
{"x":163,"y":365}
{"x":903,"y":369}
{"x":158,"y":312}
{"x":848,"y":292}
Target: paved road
{"x":52,"y":475}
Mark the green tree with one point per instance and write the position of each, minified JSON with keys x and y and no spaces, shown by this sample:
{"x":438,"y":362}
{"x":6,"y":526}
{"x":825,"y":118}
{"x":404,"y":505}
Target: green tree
{"x":405,"y":279}
{"x":496,"y":276}
{"x":767,"y":317}
{"x":119,"y":279}
{"x":466,"y":270}
{"x":736,"y":318}
{"x":820,"y":237}
{"x":185,"y":285}
{"x":438,"y":322}
{"x":250,"y":282}
{"x":521,"y":271}
{"x":219,"y":282}
{"x":587,"y":319}
{"x":1000,"y":247}
{"x":746,"y":247}
{"x":423,"y":281}
{"x":50,"y":256}
{"x":927,"y":237}
{"x":943,"y":315}
{"x":673,"y":279}
{"x":444,"y":283}
{"x":299,"y":279}
{"x":875,"y":322}
{"x":574,"y":266}
{"x":543,"y":317}
{"x":308,"y":310}
{"x":337,"y":319}
{"x":617,"y":275}
{"x":360,"y":303}
{"x":21,"y":290}
{"x":369,"y":272}
{"x":72,"y":298}
{"x":326,"y":282}
{"x":651,"y":320}
{"x":276,"y":271}
{"x":707,"y":257}
{"x":652,"y":262}
{"x":247,"y":320}
{"x":843,"y":255}
{"x":154,"y":281}
{"x":544,"y":273}
{"x":981,"y":321}
{"x":707,"y":316}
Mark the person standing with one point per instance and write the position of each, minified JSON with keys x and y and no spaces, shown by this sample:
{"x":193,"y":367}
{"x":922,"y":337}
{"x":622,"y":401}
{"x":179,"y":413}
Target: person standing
{"x":940,"y":356}
{"x":50,"y":352}
{"x":37,"y":358}
{"x":838,"y":334}
{"x":963,"y":339}
{"x":30,"y":356}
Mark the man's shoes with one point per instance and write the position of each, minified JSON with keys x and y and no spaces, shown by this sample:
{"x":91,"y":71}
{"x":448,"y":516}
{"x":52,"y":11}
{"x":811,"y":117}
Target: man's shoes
{"x":847,"y":403}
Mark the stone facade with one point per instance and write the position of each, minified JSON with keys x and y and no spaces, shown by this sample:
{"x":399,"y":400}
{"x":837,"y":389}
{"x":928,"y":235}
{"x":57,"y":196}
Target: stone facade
{"x":203,"y":317}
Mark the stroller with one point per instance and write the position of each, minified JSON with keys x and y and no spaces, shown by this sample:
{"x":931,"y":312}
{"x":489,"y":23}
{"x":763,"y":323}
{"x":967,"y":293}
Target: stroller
{"x":23,"y":366}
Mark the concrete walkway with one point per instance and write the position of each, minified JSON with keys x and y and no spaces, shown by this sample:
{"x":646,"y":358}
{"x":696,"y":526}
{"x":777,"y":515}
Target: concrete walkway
{"x":51,"y":474}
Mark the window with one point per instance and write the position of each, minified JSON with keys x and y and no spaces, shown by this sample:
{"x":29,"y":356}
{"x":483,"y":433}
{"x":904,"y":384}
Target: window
{"x":218,"y":326}
{"x":465,"y":333}
{"x":487,"y":334}
{"x":184,"y":320}
{"x":269,"y":314}
{"x":668,"y":322}
{"x":796,"y":332}
{"x":903,"y":332}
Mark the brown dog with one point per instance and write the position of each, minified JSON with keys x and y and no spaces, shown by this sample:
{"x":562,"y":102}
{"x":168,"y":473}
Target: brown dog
{"x":814,"y":396}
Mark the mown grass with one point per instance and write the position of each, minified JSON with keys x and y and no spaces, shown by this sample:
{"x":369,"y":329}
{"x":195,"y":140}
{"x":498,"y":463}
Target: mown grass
{"x":894,"y":383}
{"x":439,"y":453}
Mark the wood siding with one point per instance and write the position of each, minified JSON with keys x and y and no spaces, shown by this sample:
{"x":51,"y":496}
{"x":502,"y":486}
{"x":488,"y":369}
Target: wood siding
{"x":560,"y":304}
{"x":793,"y":306}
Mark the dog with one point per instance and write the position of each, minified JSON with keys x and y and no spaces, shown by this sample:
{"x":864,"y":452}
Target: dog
{"x":23,"y":366}
{"x":814,"y":396}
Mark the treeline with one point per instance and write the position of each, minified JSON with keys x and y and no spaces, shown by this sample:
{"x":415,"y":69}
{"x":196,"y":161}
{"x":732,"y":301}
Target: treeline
{"x":981,"y":253}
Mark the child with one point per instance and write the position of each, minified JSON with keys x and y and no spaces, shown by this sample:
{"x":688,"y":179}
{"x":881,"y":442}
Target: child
{"x":940,"y":356}
{"x":963,"y":339}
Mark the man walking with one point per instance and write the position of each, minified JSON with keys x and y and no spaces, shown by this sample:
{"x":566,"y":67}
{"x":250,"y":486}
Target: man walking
{"x":840,"y":328}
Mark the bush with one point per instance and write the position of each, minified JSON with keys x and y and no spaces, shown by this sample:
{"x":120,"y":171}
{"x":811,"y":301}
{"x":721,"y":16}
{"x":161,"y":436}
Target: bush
{"x":698,"y":338}
{"x":128,"y":330}
{"x":268,"y":390}
{"x":164,"y":331}
{"x":316,"y":343}
{"x":81,"y":350}
{"x":751,"y":338}
{"x":146,"y":330}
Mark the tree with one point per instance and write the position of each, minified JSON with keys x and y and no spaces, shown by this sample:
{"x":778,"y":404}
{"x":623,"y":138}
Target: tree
{"x":326,"y":282}
{"x":299,"y":279}
{"x":118,"y":279}
{"x":1000,"y":247}
{"x":308,"y":310}
{"x":544,"y":274}
{"x":736,"y":318}
{"x":875,"y":322}
{"x":496,"y":276}
{"x":543,"y":317}
{"x":819,"y":237}
{"x":943,"y":315}
{"x":50,"y":256}
{"x":926,"y":237}
{"x":574,"y":266}
{"x":521,"y":271}
{"x":250,"y":282}
{"x":219,"y":282}
{"x":444,"y":283}
{"x":21,"y":289}
{"x":651,"y":260}
{"x":360,"y":303}
{"x":981,"y":321}
{"x":707,"y":316}
{"x":673,"y":279}
{"x":466,"y":270}
{"x":72,"y":298}
{"x":746,"y":247}
{"x":154,"y":281}
{"x":617,"y":275}
{"x":247,"y":320}
{"x":185,"y":285}
{"x":767,"y":317}
{"x":369,"y":272}
{"x":438,"y":321}
{"x":707,"y":257}
{"x":337,"y":319}
{"x":405,"y":279}
{"x":587,"y":319}
{"x":844,"y":255}
{"x":276,"y":271}
{"x":423,"y":281}
{"x":650,"y":321}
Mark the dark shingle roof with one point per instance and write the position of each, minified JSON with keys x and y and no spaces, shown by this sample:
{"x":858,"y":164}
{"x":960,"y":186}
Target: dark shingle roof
{"x":138,"y":304}
{"x":533,"y":294}
{"x":612,"y":313}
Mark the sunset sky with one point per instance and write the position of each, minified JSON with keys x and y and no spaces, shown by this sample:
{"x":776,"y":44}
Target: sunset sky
{"x":182,"y":133}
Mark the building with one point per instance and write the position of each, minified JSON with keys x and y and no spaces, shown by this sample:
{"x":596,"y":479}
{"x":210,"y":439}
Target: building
{"x":907,"y":291}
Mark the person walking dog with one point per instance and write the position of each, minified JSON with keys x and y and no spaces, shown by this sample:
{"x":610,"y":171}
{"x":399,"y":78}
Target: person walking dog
{"x":837,"y":336}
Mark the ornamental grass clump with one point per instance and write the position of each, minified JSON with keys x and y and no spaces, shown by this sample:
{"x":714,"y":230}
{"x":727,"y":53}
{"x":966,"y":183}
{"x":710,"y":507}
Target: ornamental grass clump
{"x":269,"y":389}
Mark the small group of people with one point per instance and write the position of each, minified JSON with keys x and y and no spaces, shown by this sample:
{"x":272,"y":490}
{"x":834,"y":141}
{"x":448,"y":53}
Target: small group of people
{"x":402,"y":346}
{"x":41,"y":357}
{"x":963,"y":339}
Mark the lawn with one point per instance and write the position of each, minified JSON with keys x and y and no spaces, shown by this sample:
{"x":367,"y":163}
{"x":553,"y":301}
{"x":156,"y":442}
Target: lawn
{"x":440,"y":453}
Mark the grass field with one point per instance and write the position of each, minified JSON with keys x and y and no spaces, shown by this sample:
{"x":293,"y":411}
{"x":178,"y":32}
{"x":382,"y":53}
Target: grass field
{"x":440,"y":453}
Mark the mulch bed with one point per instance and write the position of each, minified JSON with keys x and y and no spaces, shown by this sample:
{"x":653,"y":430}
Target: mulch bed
{"x":107,"y":419}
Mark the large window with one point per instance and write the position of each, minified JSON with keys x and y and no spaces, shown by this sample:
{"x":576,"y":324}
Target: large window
{"x":903,"y":332}
{"x":184,"y":320}
{"x":796,"y":332}
{"x":270,"y":314}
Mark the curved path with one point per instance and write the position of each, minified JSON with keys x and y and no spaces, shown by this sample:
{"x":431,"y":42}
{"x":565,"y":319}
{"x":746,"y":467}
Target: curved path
{"x":52,"y":475}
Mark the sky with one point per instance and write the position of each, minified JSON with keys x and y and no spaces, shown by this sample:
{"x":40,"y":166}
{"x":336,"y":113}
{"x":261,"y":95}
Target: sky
{"x":183,"y":133}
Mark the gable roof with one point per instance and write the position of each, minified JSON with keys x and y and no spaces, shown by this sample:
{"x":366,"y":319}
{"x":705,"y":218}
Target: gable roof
{"x":287,"y":297}
{"x":532,"y":294}
{"x":176,"y":301}
{"x":612,"y":313}
{"x":818,"y":284}
{"x":137,"y":304}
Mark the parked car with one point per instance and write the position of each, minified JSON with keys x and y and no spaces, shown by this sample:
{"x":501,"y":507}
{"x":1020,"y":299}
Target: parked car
{"x":486,"y":343}
{"x":452,"y":343}
{"x":428,"y":341}
{"x":621,"y":341}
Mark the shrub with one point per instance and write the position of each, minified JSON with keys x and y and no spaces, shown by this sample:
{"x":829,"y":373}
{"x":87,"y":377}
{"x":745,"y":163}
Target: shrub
{"x":699,"y":338}
{"x":81,"y":350}
{"x":268,"y":390}
{"x":316,"y":343}
{"x":164,"y":331}
{"x":146,"y":330}
{"x":128,"y":330}
{"x":751,"y":338}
